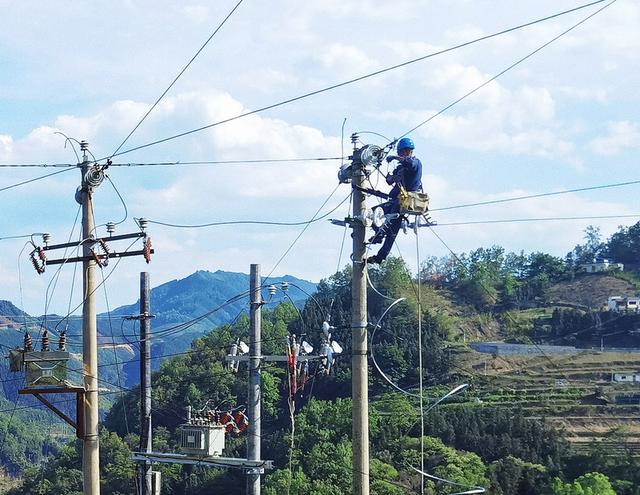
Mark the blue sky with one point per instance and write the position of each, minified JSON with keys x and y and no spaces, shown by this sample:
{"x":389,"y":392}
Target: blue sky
{"x":565,"y":118}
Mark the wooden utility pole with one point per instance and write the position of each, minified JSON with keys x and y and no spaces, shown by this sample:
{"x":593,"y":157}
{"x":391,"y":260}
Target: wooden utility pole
{"x":145,"y":384}
{"x":254,"y":396}
{"x":359,"y":371}
{"x":90,"y":451}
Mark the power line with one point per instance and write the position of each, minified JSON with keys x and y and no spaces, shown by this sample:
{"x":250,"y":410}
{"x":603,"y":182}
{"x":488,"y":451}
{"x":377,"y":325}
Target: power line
{"x":226,"y":162}
{"x":540,"y":195}
{"x":544,"y":219}
{"x":32,"y":165}
{"x":5,"y":188}
{"x":178,"y":76}
{"x":518,"y":62}
{"x":357,"y":79}
{"x":179,"y":162}
{"x":253,"y":222}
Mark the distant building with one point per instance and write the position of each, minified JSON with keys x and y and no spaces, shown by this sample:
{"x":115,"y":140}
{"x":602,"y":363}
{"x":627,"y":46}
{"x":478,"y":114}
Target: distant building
{"x":620,"y":304}
{"x":626,"y":377}
{"x":504,"y":349}
{"x":601,"y":265}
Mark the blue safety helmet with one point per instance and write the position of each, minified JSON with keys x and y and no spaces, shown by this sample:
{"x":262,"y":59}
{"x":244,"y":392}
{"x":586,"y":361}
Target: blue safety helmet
{"x":405,"y":143}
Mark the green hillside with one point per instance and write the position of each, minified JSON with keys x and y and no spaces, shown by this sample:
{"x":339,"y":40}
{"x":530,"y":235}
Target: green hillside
{"x":530,"y":422}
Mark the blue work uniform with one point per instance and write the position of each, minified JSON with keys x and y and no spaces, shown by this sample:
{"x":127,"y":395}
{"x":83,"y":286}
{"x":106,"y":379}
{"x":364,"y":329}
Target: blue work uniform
{"x":407,"y":174}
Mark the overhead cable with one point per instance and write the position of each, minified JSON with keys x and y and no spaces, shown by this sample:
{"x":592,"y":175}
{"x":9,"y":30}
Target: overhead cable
{"x":504,"y":71}
{"x":178,"y":76}
{"x":543,"y":219}
{"x":5,"y":188}
{"x":179,"y":162}
{"x":540,"y":195}
{"x":253,"y":222}
{"x":357,"y":79}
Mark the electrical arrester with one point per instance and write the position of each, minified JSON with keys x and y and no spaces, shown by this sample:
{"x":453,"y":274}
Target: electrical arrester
{"x":147,"y":250}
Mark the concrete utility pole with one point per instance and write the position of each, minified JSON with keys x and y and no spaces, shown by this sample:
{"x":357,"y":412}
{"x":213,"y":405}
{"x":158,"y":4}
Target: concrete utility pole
{"x":145,"y":384}
{"x":90,"y":451}
{"x":253,"y":396}
{"x":359,"y":371}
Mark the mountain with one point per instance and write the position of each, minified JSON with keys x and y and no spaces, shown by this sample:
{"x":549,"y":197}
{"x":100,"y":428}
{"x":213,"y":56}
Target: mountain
{"x":184,"y":310}
{"x":205,"y":293}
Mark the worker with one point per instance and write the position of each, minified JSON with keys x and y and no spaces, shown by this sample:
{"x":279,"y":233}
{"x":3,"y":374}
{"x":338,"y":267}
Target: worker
{"x":407,"y":174}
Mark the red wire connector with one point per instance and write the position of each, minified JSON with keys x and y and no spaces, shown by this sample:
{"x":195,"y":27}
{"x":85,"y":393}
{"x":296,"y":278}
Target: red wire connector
{"x":147,"y":250}
{"x":40,"y":262}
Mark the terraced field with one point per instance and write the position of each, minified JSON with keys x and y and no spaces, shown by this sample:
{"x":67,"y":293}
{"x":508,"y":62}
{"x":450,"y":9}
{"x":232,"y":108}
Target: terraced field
{"x":576,"y":393}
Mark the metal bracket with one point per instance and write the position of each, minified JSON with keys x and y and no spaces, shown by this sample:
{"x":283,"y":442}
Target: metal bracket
{"x":245,"y":358}
{"x":213,"y":461}
{"x":78,"y":425}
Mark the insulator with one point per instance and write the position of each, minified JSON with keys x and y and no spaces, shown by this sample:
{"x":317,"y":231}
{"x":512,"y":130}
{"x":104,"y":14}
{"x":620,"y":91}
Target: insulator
{"x":272,"y":290}
{"x":284,"y":286}
{"x":42,"y":255}
{"x":84,"y":145}
{"x":147,"y":250}
{"x":62,"y":343}
{"x":28,"y":342}
{"x":354,"y":138}
{"x":46,"y":237}
{"x":45,"y":340}
{"x":93,"y":177}
{"x":104,"y":246}
{"x":143,"y":223}
{"x":37,"y":264}
{"x":111,"y":228}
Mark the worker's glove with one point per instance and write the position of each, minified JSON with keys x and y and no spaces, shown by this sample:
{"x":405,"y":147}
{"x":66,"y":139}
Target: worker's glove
{"x":390,"y":158}
{"x":390,"y":179}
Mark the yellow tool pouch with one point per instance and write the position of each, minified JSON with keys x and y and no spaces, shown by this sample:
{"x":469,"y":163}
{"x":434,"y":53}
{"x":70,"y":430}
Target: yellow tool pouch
{"x":413,"y":202}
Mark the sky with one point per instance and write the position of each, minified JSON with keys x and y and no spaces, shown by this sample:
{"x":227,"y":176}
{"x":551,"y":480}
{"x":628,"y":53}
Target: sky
{"x":564,"y":118}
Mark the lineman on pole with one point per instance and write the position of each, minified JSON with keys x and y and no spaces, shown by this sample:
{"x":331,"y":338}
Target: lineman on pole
{"x":408,"y":176}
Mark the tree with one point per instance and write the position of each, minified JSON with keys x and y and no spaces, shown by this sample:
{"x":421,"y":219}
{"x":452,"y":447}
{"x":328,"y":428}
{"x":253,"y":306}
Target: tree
{"x":589,"y":484}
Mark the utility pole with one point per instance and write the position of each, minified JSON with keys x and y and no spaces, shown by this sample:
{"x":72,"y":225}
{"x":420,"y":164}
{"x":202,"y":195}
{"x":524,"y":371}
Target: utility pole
{"x":145,"y":384}
{"x":253,"y":395}
{"x":359,"y":370}
{"x":95,"y":251}
{"x":90,"y":451}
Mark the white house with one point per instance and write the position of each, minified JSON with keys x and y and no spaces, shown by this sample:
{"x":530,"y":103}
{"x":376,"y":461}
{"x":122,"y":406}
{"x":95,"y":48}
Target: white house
{"x":601,"y":265}
{"x":626,"y":377}
{"x":620,"y":304}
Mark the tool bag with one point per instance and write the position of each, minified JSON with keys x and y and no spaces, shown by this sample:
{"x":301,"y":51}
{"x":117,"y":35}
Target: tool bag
{"x":413,"y":202}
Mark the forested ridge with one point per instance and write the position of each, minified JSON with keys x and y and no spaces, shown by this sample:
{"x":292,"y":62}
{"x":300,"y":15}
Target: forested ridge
{"x":469,"y":439}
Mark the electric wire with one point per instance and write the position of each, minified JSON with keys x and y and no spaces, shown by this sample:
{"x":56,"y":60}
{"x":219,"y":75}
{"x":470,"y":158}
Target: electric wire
{"x":98,"y":286}
{"x":344,"y":233}
{"x":507,"y":69}
{"x":420,"y":361}
{"x":373,"y":355}
{"x":524,"y":220}
{"x":315,"y":218}
{"x":178,"y":76}
{"x":470,"y":489}
{"x":508,"y":315}
{"x":115,"y":354}
{"x":124,"y":204}
{"x":357,"y":79}
{"x":56,"y":276}
{"x":29,"y":181}
{"x":538,"y":195}
{"x":180,"y":162}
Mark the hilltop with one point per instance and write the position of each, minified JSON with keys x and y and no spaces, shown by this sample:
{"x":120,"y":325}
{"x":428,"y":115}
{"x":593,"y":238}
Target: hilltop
{"x":589,"y":290}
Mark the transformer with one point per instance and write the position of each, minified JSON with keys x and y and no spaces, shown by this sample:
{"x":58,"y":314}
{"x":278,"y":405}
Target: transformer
{"x":41,"y":368}
{"x":205,"y":439}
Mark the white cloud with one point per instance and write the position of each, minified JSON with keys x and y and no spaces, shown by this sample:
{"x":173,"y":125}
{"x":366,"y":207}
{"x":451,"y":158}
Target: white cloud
{"x":622,"y":135}
{"x":347,"y":60}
